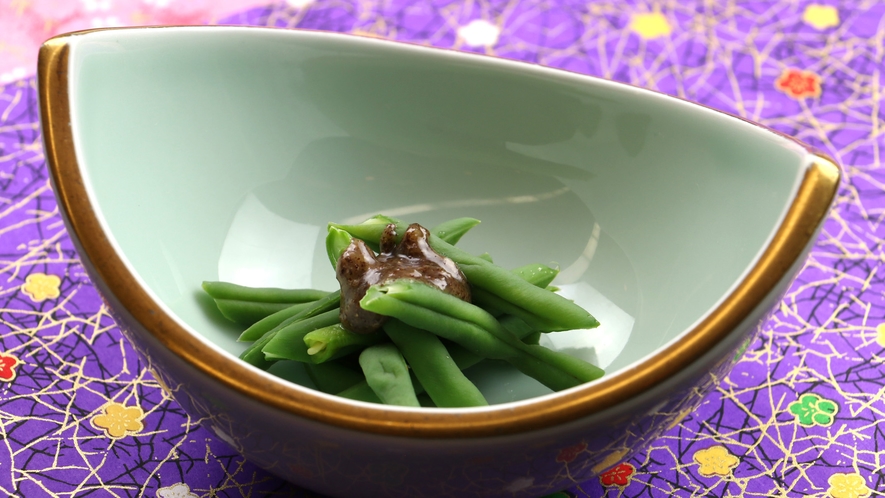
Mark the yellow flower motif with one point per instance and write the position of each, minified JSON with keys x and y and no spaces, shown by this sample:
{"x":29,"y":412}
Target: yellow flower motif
{"x":715,"y":460}
{"x":821,"y":16}
{"x":848,"y":486}
{"x":880,"y":334}
{"x":650,"y":25}
{"x":40,"y":286}
{"x":118,"y":419}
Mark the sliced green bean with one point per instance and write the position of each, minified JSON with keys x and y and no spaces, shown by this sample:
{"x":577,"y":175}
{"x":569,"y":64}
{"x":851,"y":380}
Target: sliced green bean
{"x":334,"y":341}
{"x":253,"y":354}
{"x":434,"y":367}
{"x":247,"y":313}
{"x":388,"y":375}
{"x":558,"y":313}
{"x":332,"y":377}
{"x":451,"y":231}
{"x":227,"y":290}
{"x":337,"y":242}
{"x":288,"y":342}
{"x":469,"y":335}
{"x":330,"y":301}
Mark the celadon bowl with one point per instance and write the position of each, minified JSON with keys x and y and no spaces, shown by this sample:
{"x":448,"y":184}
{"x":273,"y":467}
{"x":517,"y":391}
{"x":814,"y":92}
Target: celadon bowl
{"x":183,"y":154}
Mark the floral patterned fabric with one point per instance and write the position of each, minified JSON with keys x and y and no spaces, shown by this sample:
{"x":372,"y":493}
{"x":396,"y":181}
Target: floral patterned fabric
{"x":802,"y":414}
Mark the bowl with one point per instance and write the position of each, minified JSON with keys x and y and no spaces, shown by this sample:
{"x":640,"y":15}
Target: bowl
{"x":183,"y":154}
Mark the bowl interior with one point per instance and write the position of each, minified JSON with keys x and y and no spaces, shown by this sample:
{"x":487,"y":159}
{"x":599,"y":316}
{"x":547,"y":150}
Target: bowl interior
{"x":223,"y":153}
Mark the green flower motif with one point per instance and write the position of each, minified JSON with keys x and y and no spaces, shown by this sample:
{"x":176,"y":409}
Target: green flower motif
{"x":813,"y":410}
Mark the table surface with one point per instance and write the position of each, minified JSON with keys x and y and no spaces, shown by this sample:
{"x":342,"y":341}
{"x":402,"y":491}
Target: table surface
{"x":803,"y":413}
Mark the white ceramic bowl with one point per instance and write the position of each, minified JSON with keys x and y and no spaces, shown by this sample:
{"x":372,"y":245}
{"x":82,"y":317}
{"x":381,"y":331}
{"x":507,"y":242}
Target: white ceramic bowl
{"x":201,"y":153}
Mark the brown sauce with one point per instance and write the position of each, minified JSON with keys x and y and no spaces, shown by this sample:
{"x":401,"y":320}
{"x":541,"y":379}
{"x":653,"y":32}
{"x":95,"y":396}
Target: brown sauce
{"x":413,"y":258}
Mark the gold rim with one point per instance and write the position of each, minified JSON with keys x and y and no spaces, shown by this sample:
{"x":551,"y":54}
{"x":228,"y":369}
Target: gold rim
{"x":795,"y":233}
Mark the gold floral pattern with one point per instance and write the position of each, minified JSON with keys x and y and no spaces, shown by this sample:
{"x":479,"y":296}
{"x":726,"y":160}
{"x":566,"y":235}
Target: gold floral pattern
{"x":118,"y":420}
{"x":821,"y":16}
{"x":847,"y":486}
{"x":40,"y":287}
{"x":650,"y":25}
{"x":880,"y":334}
{"x":715,"y":461}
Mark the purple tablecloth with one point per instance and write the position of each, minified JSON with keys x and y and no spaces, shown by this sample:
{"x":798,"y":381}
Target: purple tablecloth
{"x":802,"y":414}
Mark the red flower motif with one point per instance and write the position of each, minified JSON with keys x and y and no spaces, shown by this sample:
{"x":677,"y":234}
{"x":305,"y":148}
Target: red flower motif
{"x":798,"y":84}
{"x":7,"y":367}
{"x":618,"y":475}
{"x":568,"y":455}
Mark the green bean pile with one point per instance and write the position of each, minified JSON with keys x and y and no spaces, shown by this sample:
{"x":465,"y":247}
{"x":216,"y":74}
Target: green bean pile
{"x":430,"y":337}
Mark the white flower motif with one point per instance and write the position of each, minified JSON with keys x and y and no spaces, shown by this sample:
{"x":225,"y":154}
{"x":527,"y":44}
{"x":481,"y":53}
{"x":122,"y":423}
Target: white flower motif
{"x":479,"y":32}
{"x":105,"y":22}
{"x":298,"y":4}
{"x":180,"y":490}
{"x":96,"y":5}
{"x":16,"y":73}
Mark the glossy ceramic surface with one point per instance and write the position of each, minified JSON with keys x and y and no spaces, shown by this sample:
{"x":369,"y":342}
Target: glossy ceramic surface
{"x":661,"y":214}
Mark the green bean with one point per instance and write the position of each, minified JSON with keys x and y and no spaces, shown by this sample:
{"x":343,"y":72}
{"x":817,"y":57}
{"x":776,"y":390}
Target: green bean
{"x":330,"y":301}
{"x":379,"y":221}
{"x":337,"y":242}
{"x":536,"y":274}
{"x":534,"y":338}
{"x":469,"y":335}
{"x":451,"y":231}
{"x":466,"y":359}
{"x":463,"y":358}
{"x":421,"y":294}
{"x":486,"y":256}
{"x":559,"y":313}
{"x":334,"y":341}
{"x":497,"y":306}
{"x":360,"y":392}
{"x":426,"y":401}
{"x":247,"y":313}
{"x":387,"y":374}
{"x":226,"y":290}
{"x":332,"y":377}
{"x":431,"y":363}
{"x":288,"y":342}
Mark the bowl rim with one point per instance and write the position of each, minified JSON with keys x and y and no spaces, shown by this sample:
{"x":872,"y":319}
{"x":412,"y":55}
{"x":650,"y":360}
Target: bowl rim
{"x":796,"y":231}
